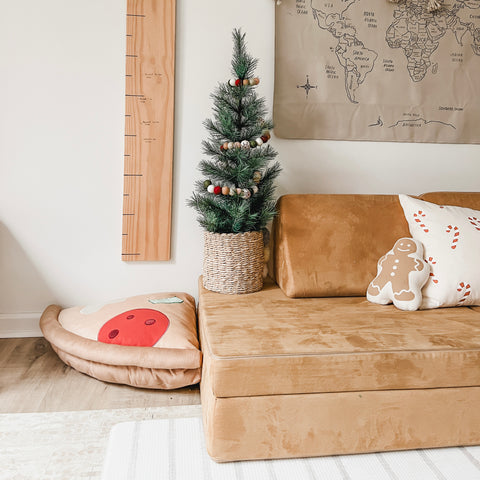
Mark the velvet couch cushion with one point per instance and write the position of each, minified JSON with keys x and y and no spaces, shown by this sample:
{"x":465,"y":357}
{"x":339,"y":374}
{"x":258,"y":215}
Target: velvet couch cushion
{"x":339,"y":423}
{"x":266,"y":343}
{"x":329,"y":245}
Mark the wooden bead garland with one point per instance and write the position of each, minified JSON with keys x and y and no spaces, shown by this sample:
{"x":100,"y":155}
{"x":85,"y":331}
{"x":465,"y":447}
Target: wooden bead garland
{"x":246,"y":193}
{"x":232,"y":191}
{"x":237,"y":82}
{"x":246,"y":144}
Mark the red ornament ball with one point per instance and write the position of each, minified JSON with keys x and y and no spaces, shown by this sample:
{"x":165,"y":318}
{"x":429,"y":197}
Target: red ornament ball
{"x":264,"y":138}
{"x":238,"y":82}
{"x":221,"y":148}
{"x":217,"y":190}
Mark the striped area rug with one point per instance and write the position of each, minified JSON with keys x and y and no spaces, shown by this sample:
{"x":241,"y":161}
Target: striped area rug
{"x":174,"y":449}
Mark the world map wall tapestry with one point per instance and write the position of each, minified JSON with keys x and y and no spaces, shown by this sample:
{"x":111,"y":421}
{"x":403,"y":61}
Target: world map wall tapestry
{"x":376,"y":70}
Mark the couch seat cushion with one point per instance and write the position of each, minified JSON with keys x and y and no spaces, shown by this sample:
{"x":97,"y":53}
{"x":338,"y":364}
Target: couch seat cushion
{"x":266,"y":343}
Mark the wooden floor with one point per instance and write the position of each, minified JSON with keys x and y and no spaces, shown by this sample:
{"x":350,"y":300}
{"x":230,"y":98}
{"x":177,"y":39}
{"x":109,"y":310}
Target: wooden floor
{"x":34,"y":379}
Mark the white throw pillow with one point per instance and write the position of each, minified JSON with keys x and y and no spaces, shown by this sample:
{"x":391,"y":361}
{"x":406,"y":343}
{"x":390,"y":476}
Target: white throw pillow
{"x":451,"y":239}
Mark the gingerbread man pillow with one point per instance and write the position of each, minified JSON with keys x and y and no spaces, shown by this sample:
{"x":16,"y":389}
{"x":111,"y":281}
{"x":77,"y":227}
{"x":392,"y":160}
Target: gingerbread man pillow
{"x":401,"y":274}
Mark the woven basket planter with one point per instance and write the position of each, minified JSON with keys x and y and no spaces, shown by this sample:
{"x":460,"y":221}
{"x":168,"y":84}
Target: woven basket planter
{"x":233,"y":262}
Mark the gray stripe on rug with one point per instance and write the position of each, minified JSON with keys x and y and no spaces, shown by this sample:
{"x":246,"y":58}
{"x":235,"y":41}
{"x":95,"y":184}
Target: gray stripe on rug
{"x":132,"y":463}
{"x":238,"y":471}
{"x":271,"y":472}
{"x":342,"y":469}
{"x":308,"y":467}
{"x":386,"y":466}
{"x":470,"y":457}
{"x":171,"y":449}
{"x":207,"y":471}
{"x":431,"y":465}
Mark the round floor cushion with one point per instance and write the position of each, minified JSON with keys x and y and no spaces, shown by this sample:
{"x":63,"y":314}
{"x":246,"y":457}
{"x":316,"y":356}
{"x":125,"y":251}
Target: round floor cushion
{"x":147,"y":341}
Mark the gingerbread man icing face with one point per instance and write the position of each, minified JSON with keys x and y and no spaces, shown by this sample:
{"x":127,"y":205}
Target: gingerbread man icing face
{"x":401,"y":274}
{"x":404,"y":246}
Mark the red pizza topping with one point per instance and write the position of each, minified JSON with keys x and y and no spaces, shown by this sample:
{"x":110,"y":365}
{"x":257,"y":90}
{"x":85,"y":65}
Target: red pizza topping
{"x":142,"y":327}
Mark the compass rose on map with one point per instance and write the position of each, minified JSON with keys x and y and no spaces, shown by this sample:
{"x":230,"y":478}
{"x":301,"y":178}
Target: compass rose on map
{"x":307,"y":86}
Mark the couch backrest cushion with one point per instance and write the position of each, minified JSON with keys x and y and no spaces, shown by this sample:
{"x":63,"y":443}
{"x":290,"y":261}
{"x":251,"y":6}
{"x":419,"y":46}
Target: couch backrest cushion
{"x":329,"y":245}
{"x":459,"y":199}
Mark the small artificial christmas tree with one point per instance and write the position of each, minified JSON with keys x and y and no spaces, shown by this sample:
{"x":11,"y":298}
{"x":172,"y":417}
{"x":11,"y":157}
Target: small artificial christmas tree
{"x":237,"y":192}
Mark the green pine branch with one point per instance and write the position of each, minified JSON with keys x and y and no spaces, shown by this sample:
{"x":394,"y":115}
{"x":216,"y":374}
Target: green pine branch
{"x":238,"y":115}
{"x":243,"y":65}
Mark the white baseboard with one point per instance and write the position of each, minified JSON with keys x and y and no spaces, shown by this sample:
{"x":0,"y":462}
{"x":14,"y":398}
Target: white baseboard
{"x":16,"y":325}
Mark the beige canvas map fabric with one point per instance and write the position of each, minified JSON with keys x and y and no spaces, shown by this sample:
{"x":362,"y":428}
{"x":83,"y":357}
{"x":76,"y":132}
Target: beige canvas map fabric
{"x":376,"y":70}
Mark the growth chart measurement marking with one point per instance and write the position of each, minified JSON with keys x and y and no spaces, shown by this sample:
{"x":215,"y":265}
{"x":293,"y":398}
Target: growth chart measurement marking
{"x":148,"y":155}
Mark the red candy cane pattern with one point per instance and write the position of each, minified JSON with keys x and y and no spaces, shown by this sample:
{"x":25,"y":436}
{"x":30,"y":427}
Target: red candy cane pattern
{"x":456,"y":234}
{"x":464,"y":289}
{"x":417,"y":218}
{"x":431,"y":261}
{"x":475,"y":222}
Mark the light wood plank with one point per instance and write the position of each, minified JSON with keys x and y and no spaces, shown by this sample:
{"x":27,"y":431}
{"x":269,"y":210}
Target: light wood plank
{"x":34,"y":379}
{"x":149,"y":108}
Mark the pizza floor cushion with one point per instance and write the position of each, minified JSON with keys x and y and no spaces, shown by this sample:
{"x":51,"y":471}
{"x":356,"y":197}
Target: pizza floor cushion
{"x":147,"y":341}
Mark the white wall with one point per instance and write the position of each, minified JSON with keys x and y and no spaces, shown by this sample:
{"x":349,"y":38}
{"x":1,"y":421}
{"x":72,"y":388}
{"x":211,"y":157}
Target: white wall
{"x":61,"y":148}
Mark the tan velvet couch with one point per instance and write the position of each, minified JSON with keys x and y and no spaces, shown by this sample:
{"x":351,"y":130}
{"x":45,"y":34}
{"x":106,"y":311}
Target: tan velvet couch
{"x":332,"y":373}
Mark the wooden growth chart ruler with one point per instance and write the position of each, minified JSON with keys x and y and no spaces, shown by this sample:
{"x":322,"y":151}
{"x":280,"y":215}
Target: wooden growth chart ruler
{"x":149,"y":105}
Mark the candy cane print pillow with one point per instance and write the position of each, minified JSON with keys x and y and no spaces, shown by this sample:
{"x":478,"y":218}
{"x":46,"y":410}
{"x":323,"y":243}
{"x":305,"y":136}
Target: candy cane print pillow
{"x":451,"y":239}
